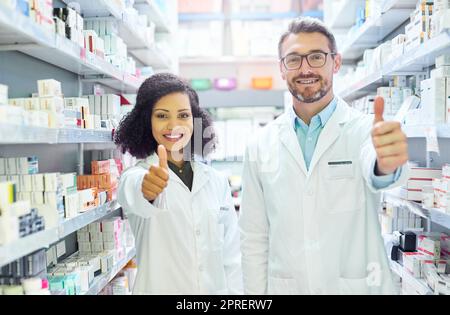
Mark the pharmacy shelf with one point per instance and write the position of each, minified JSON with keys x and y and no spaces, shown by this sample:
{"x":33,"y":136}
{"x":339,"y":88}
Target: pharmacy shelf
{"x":423,"y":56}
{"x":84,"y":136}
{"x":27,"y":245}
{"x":432,"y":214}
{"x":71,"y":225}
{"x":98,"y":8}
{"x":419,"y":284}
{"x":12,"y":134}
{"x":152,"y":56}
{"x":20,"y":33}
{"x":101,"y":281}
{"x":15,"y":28}
{"x":149,"y":8}
{"x":263,"y":16}
{"x":375,"y":29}
{"x":345,"y":15}
{"x":418,"y":131}
{"x":241,"y":98}
{"x":363,"y":87}
{"x":229,"y":60}
{"x":201,"y":17}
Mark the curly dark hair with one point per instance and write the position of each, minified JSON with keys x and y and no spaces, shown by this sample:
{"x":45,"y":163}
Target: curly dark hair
{"x":134,"y":133}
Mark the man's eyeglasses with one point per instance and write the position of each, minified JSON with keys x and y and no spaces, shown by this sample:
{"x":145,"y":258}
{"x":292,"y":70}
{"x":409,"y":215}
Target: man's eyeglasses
{"x":315,"y":60}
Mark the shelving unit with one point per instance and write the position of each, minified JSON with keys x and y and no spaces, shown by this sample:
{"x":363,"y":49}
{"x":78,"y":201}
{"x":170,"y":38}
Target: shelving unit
{"x":419,"y":284}
{"x":63,"y":150}
{"x":27,"y":245}
{"x":413,"y":62}
{"x":29,"y":135}
{"x":101,"y":281}
{"x":241,"y":98}
{"x":374,"y":30}
{"x":44,"y":239}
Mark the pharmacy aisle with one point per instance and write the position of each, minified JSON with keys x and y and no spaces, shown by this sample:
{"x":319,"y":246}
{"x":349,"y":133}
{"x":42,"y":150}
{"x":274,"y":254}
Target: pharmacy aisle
{"x":66,"y":68}
{"x":400,"y":50}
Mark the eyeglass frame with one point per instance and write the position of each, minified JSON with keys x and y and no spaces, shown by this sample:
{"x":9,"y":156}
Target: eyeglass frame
{"x":306,"y":57}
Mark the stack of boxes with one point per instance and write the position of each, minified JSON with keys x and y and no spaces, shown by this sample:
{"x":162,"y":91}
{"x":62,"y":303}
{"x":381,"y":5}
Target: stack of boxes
{"x":107,"y":107}
{"x":23,"y":276}
{"x":419,"y":179}
{"x":44,"y":110}
{"x":50,"y":110}
{"x":397,"y":218}
{"x":441,"y":188}
{"x":104,"y":179}
{"x":101,"y":34}
{"x":418,"y":30}
{"x":70,"y":24}
{"x":41,"y":11}
{"x":425,"y":255}
{"x":101,"y":246}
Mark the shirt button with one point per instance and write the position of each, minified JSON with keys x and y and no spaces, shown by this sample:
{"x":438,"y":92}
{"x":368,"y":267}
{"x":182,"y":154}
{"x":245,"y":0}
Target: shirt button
{"x":310,"y":192}
{"x":309,"y":139}
{"x":197,"y":232}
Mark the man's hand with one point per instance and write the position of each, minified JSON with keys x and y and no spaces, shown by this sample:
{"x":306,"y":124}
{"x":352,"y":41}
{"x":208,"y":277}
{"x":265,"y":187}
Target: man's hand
{"x":155,"y":181}
{"x":389,"y":140}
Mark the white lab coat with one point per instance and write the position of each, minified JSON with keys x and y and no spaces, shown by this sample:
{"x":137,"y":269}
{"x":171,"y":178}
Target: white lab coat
{"x":313,"y":232}
{"x":186,"y":242}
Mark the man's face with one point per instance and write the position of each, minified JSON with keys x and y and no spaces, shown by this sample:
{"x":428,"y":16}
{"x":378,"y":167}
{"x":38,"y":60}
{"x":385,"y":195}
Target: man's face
{"x":309,"y":84}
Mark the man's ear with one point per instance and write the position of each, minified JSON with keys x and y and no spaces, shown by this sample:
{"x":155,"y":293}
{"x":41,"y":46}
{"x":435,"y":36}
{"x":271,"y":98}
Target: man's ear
{"x":282,"y":70}
{"x":337,"y":63}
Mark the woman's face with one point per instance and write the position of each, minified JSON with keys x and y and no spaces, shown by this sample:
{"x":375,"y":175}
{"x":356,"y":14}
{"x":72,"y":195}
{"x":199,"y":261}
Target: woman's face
{"x":172,"y":122}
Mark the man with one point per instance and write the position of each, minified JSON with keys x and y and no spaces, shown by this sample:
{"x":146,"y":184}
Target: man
{"x":311,"y":182}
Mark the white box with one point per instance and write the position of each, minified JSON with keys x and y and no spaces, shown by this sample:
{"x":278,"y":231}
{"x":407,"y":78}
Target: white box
{"x":49,"y":87}
{"x":37,"y":181}
{"x":109,"y":245}
{"x":109,"y":236}
{"x":97,"y":247}
{"x":424,"y":173}
{"x":443,"y":60}
{"x":11,"y":166}
{"x":84,"y":247}
{"x":26,"y":183}
{"x":96,"y":236}
{"x":429,"y":246}
{"x":83,"y":236}
{"x":51,"y":181}
{"x":3,"y":94}
{"x":440,"y":72}
{"x":37,"y":198}
{"x":417,"y":184}
{"x":95,"y":227}
{"x":433,"y":100}
{"x":104,"y":112}
{"x":111,"y":225}
{"x":113,"y":105}
{"x":98,"y":105}
{"x":3,"y":167}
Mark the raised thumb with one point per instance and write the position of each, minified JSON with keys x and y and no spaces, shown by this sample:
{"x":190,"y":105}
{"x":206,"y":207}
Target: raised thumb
{"x":378,"y":107}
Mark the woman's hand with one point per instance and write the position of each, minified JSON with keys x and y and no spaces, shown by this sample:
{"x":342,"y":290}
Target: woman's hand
{"x":155,"y":181}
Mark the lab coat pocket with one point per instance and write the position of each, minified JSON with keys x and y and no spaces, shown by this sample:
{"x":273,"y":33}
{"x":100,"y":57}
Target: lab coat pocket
{"x":281,"y":286}
{"x":216,"y":231}
{"x":356,"y":286}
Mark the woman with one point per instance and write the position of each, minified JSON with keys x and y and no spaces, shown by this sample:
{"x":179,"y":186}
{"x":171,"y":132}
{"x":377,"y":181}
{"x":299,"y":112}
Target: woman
{"x":180,"y":210}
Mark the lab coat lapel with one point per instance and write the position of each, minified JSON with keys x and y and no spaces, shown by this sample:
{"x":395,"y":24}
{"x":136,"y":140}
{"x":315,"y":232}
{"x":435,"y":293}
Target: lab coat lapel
{"x":331,"y":132}
{"x":201,"y":177}
{"x":290,"y":141}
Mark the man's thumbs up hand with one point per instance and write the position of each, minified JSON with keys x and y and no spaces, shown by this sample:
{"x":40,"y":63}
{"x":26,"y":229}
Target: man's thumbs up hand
{"x":390,"y":142}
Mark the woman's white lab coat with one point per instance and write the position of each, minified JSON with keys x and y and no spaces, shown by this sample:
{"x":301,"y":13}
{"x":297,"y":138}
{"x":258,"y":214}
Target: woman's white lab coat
{"x":313,"y":231}
{"x":186,"y":242}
